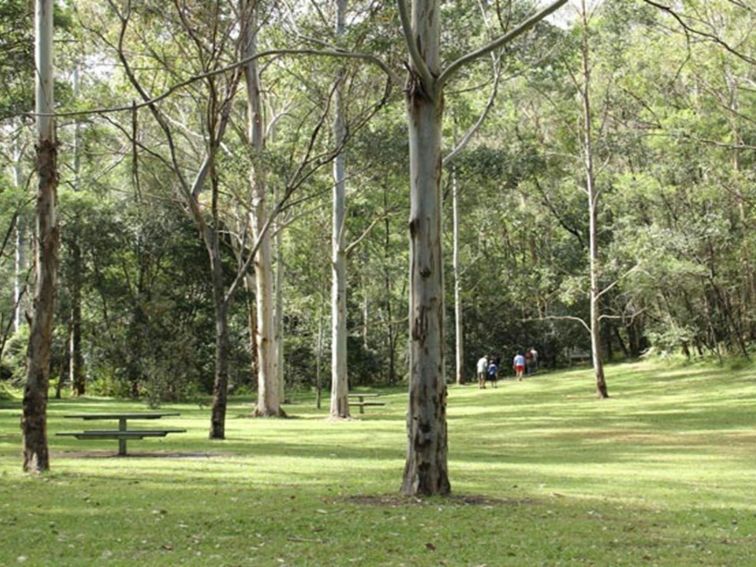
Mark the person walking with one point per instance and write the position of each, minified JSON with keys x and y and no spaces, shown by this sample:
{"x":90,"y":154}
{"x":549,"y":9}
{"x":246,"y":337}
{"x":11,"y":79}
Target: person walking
{"x":518,"y":363}
{"x":534,"y":356}
{"x":493,"y":372}
{"x":529,"y":369}
{"x":482,"y":368}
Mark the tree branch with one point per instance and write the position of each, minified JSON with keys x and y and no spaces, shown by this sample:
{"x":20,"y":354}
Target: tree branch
{"x":417,"y":59}
{"x":525,"y":26}
{"x":561,"y":318}
{"x":618,"y":280}
{"x":689,"y":29}
{"x":367,"y":231}
{"x":479,"y":122}
{"x":149,"y":102}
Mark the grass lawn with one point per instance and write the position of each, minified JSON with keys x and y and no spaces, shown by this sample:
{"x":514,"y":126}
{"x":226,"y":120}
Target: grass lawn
{"x":543,"y":473}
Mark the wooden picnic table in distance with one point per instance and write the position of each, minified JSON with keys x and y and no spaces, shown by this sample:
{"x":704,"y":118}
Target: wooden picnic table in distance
{"x":123,"y":433}
{"x":361,"y":400}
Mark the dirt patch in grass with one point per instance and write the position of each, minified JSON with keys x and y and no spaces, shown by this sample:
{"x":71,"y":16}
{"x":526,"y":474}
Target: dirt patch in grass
{"x":397,"y":500}
{"x":142,"y":454}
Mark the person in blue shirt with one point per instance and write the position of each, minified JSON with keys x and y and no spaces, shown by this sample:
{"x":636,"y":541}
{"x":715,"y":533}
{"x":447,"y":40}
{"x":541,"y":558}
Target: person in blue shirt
{"x":492,"y":372}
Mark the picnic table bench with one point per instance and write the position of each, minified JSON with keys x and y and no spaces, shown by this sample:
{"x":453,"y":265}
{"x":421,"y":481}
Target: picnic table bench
{"x":361,"y":402}
{"x":123,"y":433}
{"x":577,"y":355}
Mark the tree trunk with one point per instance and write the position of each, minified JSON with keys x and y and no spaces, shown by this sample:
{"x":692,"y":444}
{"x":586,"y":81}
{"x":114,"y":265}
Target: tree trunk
{"x":459,"y":341}
{"x":390,"y":330}
{"x":268,"y":401}
{"x":279,"y":313}
{"x":19,"y":271}
{"x":319,"y":350}
{"x":620,"y":342}
{"x":76,"y":370}
{"x":221,"y":305}
{"x":590,"y":186}
{"x":607,"y":336}
{"x":220,"y":381}
{"x":76,"y":360}
{"x":426,"y":471}
{"x":34,"y":419}
{"x":339,"y":379}
{"x":64,"y":366}
{"x":249,"y":285}
{"x":633,"y":338}
{"x":365,"y":316}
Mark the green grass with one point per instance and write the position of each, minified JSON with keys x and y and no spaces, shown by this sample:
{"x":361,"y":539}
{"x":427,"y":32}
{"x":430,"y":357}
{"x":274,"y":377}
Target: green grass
{"x":663,"y":473}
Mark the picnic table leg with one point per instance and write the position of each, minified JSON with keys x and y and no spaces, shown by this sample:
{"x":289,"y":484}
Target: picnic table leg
{"x":122,"y":440}
{"x":362,"y":407}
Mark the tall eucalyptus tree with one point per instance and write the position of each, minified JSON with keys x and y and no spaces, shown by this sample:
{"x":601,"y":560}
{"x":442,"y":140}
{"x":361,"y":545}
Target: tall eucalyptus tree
{"x":592,"y":192}
{"x":75,"y":357}
{"x":268,"y":391}
{"x":34,"y":418}
{"x":339,"y":377}
{"x":426,"y":469}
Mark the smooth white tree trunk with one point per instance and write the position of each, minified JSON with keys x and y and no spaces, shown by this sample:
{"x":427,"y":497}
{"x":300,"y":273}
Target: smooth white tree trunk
{"x":19,"y":268}
{"x":459,"y":342}
{"x":34,"y":417}
{"x":268,"y":400}
{"x":339,"y":380}
{"x":279,"y":283}
{"x":593,"y":196}
{"x":319,"y":355}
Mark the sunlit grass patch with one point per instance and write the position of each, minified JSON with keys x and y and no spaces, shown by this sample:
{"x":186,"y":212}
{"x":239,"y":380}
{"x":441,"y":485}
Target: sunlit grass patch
{"x":542,"y":473}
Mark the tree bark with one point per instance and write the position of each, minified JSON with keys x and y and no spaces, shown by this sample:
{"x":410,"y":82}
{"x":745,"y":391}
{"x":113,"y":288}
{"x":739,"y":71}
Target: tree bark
{"x":268,"y":400}
{"x":221,"y":305}
{"x":34,"y":418}
{"x":426,"y":469}
{"x":249,"y":285}
{"x":339,"y":408}
{"x":220,"y":381}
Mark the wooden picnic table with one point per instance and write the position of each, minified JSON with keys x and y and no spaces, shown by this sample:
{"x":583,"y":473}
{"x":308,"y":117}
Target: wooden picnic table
{"x":361,"y":402}
{"x":123,"y":433}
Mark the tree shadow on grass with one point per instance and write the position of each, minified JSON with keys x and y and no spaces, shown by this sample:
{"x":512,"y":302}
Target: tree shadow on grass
{"x":398,"y":500}
{"x":104,"y":454}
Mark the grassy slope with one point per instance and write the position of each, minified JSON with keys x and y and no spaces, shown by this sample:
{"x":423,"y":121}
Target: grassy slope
{"x":664,"y":473}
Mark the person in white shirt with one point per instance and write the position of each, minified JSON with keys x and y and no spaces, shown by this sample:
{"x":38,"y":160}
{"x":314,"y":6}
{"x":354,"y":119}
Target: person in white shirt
{"x":482,"y":368}
{"x":518,"y":363}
